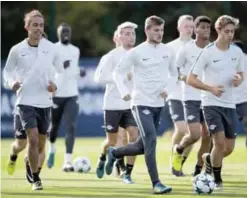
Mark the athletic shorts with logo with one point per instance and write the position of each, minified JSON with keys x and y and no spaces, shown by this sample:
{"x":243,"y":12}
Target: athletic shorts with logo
{"x":34,"y":117}
{"x":176,"y":110}
{"x":193,"y":111}
{"x":221,"y":119}
{"x":118,"y":118}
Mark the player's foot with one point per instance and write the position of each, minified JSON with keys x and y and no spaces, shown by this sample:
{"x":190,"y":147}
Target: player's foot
{"x":50,"y":160}
{"x":160,"y":188}
{"x":176,"y":160}
{"x":37,"y":185}
{"x":177,"y":173}
{"x":218,"y":186}
{"x":110,"y":161}
{"x":29,"y":176}
{"x":116,"y":169}
{"x":207,"y":162}
{"x":67,"y":167}
{"x":127,"y":179}
{"x":100,"y":169}
{"x":11,"y":167}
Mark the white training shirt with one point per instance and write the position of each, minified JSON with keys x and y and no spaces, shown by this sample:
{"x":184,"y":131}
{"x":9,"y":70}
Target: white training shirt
{"x":185,"y":59}
{"x":33,"y":68}
{"x":176,"y":91}
{"x":68,"y":79}
{"x":218,"y":68}
{"x":104,"y":74}
{"x":240,"y":92}
{"x":152,"y":65}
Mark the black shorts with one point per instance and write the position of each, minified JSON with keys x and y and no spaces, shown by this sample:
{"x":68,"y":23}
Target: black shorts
{"x":193,"y":111}
{"x":20,"y":133}
{"x":118,"y":118}
{"x":176,"y":110}
{"x":241,"y":110}
{"x":221,"y":119}
{"x":34,"y":117}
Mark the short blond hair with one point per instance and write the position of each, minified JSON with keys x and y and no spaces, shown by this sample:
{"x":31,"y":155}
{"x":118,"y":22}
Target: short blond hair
{"x":225,"y":20}
{"x":124,"y":25}
{"x":29,"y":15}
{"x":182,"y":18}
{"x":153,"y":20}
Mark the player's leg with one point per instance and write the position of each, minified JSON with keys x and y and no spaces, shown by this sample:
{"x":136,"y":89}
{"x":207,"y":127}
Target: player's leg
{"x":214,"y":117}
{"x":129,"y":123}
{"x":29,"y":123}
{"x":180,"y":130}
{"x":147,"y":119}
{"x":17,"y":146}
{"x":56,"y":116}
{"x":122,"y":140}
{"x":111,"y":124}
{"x":204,"y":148}
{"x":29,"y":176}
{"x":193,"y":118}
{"x":71,"y":111}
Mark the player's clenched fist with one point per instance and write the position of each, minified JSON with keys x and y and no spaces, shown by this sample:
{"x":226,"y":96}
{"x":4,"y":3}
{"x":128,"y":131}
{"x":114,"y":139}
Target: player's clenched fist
{"x":16,"y":86}
{"x":127,"y":97}
{"x":51,"y":87}
{"x":163,"y":95}
{"x":218,"y":90}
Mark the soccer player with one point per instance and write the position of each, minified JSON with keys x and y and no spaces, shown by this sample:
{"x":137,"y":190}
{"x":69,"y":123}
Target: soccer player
{"x":241,"y":92}
{"x":28,"y":72}
{"x":150,"y":62}
{"x":185,"y":27}
{"x":222,"y":64}
{"x":117,"y":112}
{"x":192,"y":97}
{"x":19,"y":145}
{"x":65,"y":104}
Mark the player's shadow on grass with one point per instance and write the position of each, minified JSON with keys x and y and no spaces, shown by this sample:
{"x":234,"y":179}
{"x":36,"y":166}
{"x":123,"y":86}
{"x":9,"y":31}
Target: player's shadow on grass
{"x":63,"y":180}
{"x":236,"y":183}
{"x":79,"y":195}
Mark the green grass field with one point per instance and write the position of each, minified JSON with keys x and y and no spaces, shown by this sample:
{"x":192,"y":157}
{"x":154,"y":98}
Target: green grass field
{"x":59,"y":184}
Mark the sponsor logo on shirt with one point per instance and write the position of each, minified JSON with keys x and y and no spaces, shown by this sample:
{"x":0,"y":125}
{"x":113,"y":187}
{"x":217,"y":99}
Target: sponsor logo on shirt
{"x":234,"y":59}
{"x":145,"y":59}
{"x":215,"y":61}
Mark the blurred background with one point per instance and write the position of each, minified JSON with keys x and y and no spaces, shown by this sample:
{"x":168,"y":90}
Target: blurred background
{"x":93,"y":24}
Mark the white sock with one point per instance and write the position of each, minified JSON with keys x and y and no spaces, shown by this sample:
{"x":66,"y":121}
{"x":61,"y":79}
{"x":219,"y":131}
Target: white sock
{"x":52,"y":148}
{"x":68,"y":158}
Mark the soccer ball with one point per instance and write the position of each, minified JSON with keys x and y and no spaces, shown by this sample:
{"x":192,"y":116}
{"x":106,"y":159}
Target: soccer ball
{"x":203,"y":184}
{"x":82,"y":165}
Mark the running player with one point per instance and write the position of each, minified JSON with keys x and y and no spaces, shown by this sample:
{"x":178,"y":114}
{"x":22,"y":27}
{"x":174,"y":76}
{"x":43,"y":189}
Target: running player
{"x":185,"y":27}
{"x":65,"y":103}
{"x":150,"y":61}
{"x":192,"y":97}
{"x":222,"y":64}
{"x":117,"y":112}
{"x":29,"y":72}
